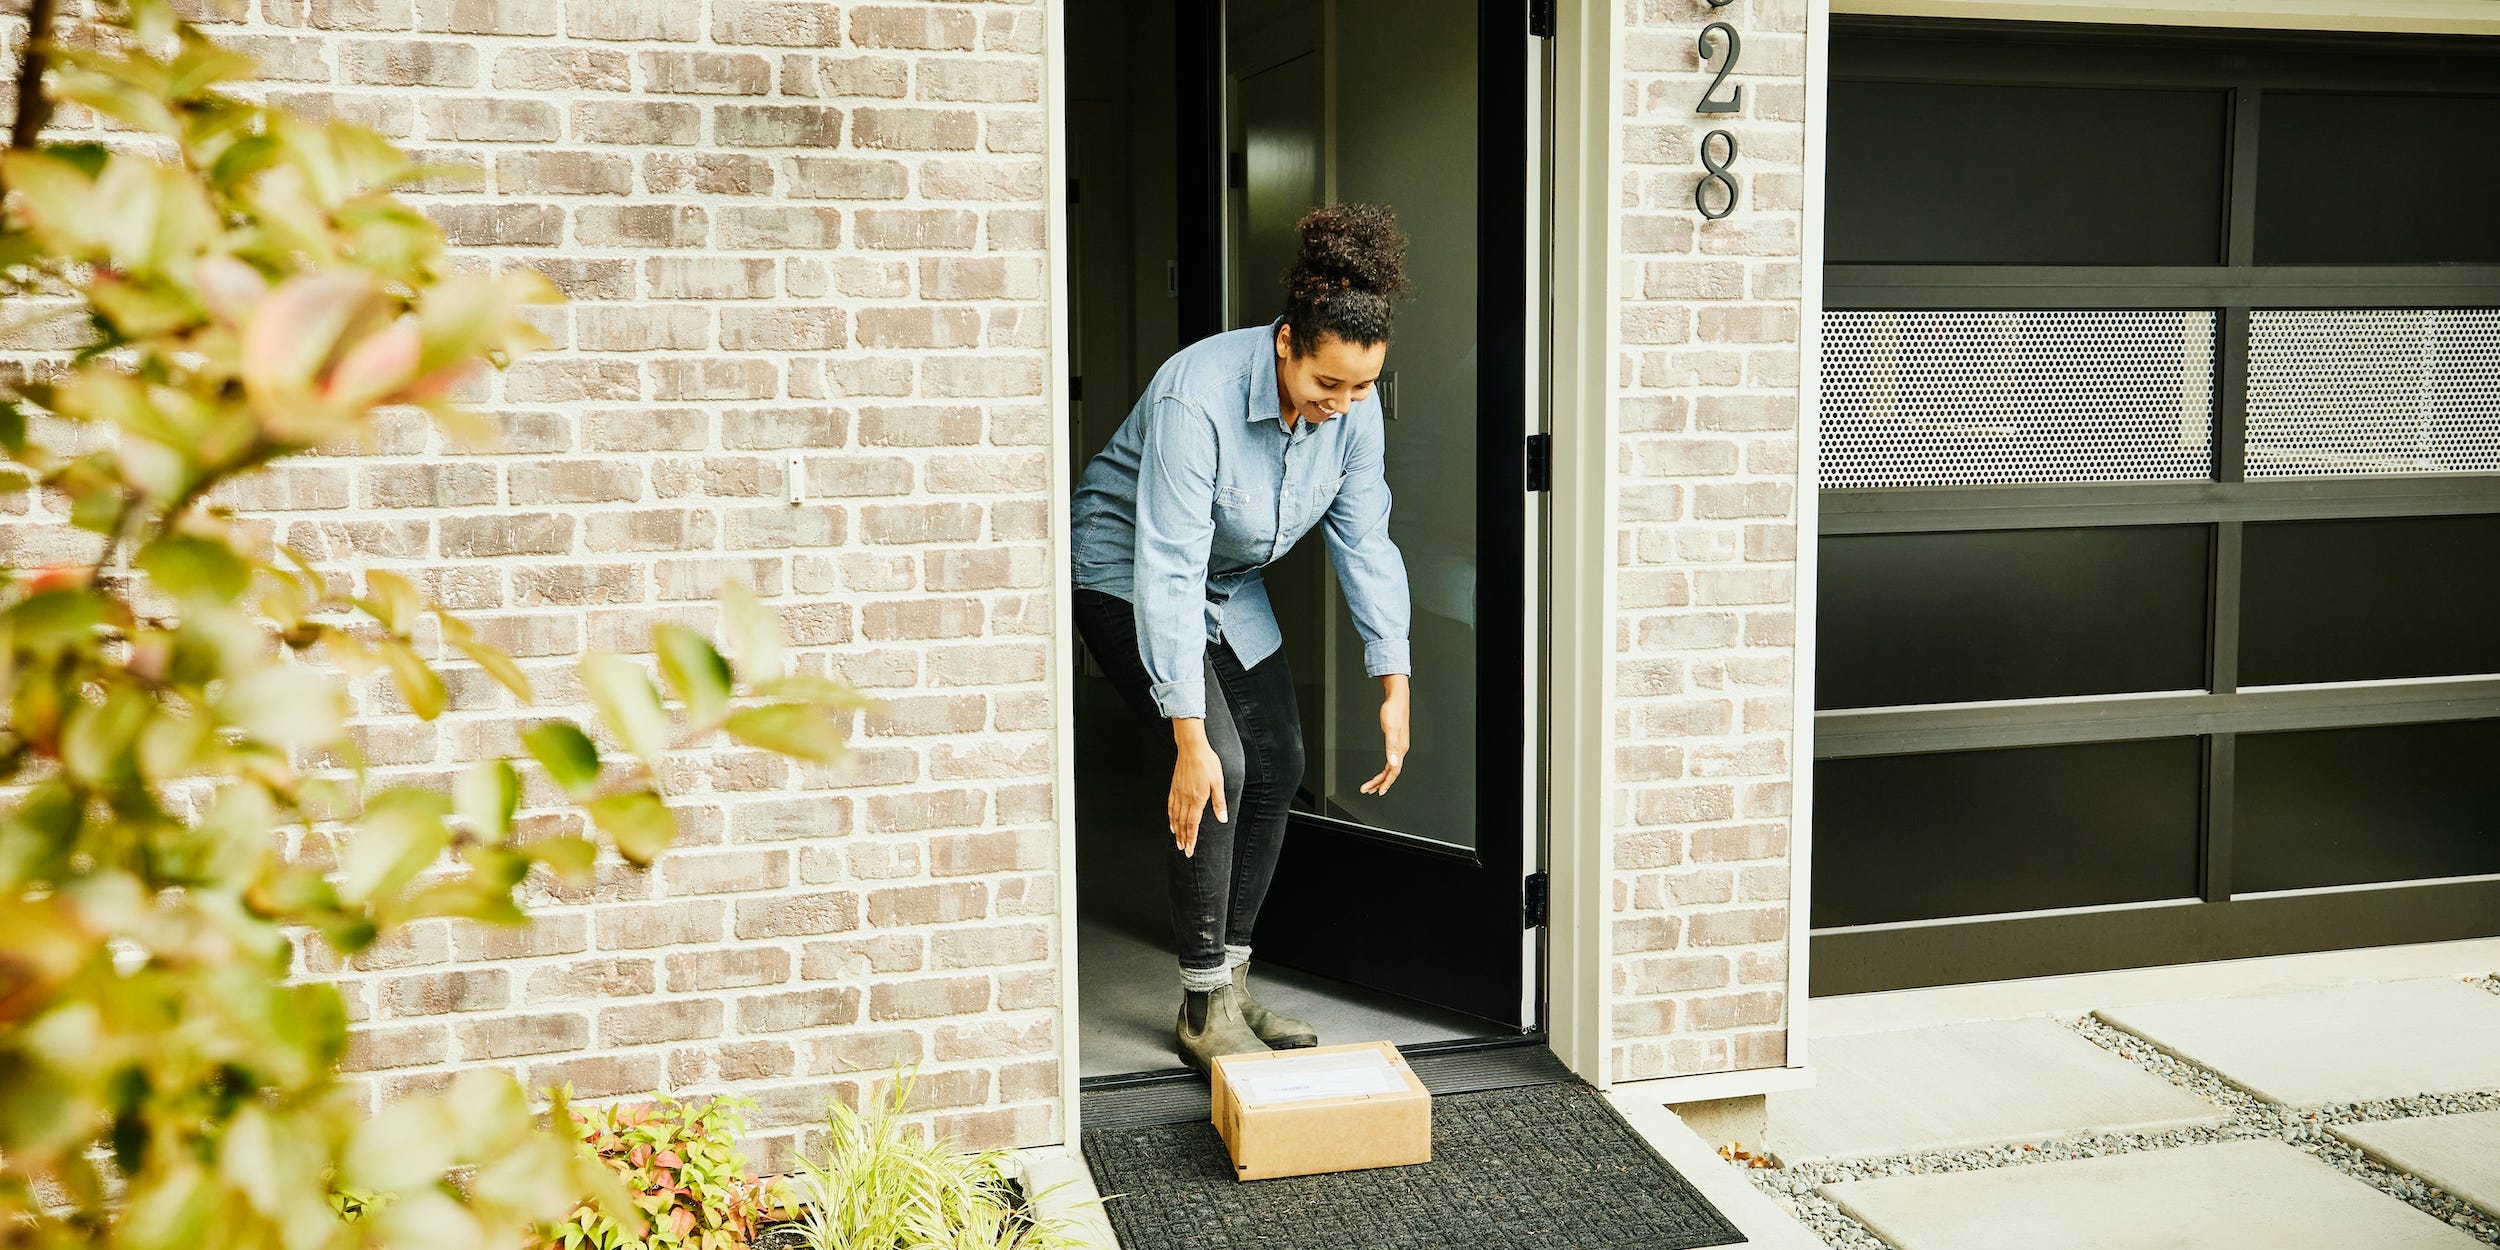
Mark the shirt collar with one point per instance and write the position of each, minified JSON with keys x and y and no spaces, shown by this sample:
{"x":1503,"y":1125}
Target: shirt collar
{"x":1264,"y":404}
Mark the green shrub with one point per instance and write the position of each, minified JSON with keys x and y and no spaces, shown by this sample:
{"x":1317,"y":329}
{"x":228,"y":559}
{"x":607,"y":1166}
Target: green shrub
{"x":680,"y":1162}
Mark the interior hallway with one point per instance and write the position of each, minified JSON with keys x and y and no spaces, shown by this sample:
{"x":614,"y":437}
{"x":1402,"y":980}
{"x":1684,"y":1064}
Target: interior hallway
{"x":1128,"y":983}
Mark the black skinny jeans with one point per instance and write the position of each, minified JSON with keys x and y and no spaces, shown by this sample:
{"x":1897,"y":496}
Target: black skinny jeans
{"x":1255,"y":726}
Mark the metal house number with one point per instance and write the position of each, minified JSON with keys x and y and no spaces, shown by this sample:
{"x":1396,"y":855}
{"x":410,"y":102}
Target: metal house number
{"x":1716,"y":165}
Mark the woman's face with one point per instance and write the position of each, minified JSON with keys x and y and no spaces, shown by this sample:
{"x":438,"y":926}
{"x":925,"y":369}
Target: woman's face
{"x":1332,"y":378}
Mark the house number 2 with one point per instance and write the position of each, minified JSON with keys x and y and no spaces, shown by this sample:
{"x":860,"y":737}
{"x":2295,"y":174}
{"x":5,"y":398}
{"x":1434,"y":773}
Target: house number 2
{"x":1716,"y":166}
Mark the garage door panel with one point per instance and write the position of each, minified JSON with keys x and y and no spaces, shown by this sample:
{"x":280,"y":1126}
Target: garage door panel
{"x":2367,"y":600}
{"x":1966,"y":173}
{"x":2352,"y":806}
{"x":2012,"y":614}
{"x":2318,"y":202}
{"x":1964,"y":833}
{"x":2370,"y":392}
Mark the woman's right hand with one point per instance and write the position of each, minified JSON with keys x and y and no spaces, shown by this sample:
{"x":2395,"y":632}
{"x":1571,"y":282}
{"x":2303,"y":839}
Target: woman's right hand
{"x":1197,"y":781}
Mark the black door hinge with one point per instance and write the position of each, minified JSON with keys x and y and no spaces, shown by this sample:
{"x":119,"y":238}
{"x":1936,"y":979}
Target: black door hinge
{"x":1541,"y":18}
{"x":1540,"y":462}
{"x":1536,"y":902}
{"x":1074,"y":186}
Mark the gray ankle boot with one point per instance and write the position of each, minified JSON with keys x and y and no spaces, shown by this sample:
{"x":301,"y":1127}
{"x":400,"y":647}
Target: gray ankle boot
{"x":1279,"y":1032}
{"x":1226,"y":1033}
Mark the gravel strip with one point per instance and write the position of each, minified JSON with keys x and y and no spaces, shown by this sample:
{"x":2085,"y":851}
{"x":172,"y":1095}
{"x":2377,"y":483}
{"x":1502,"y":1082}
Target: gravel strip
{"x":2306,"y":1128}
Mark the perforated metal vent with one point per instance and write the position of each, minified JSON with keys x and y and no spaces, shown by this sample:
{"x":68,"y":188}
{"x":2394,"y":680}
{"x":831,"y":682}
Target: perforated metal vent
{"x":2352,"y":392}
{"x":1959,"y":398}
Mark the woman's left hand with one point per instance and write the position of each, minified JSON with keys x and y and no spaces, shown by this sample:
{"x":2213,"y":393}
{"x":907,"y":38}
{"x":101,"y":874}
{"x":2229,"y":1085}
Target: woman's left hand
{"x":1392,"y":731}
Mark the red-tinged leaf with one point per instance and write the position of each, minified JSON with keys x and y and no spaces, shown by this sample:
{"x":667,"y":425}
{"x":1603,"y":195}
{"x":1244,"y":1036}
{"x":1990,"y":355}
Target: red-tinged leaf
{"x":295,"y":329}
{"x":373,"y":368}
{"x":229,"y":287}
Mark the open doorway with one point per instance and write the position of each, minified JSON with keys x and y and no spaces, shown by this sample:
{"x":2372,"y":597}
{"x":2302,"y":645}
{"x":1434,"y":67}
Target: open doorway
{"x":1198,"y":133}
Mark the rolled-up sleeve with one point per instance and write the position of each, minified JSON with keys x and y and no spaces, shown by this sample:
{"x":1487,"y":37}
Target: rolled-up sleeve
{"x":1370,"y":570}
{"x":1175,"y":530}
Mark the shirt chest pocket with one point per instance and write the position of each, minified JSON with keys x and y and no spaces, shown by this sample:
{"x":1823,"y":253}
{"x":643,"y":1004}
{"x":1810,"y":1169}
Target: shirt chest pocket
{"x":1245,"y":522}
{"x":1237,"y":503}
{"x":1309,"y":503}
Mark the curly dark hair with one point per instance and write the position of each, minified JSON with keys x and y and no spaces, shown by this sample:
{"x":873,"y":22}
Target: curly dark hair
{"x":1353,"y":262}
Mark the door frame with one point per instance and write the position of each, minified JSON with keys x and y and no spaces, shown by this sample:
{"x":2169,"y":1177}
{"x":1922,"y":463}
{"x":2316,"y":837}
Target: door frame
{"x":1202,"y":236}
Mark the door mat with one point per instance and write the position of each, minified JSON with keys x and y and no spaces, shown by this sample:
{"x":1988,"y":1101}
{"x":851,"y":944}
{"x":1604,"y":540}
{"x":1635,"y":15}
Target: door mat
{"x":1546,"y":1167}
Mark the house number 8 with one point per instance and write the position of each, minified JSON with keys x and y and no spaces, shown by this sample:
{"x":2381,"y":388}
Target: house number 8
{"x":1718,"y":166}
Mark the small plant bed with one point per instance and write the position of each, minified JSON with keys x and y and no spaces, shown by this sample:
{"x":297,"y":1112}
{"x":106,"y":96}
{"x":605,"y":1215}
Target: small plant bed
{"x":679,"y":1162}
{"x":882,"y":1183}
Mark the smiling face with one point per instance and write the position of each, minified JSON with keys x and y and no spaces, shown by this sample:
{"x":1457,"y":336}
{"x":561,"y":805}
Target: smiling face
{"x":1331,"y":378}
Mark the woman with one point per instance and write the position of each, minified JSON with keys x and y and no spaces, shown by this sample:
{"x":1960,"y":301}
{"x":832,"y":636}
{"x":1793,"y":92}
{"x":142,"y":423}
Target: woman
{"x":1241,"y":444}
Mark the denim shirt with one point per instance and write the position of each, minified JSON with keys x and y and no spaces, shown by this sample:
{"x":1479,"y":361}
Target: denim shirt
{"x":1203,"y":485}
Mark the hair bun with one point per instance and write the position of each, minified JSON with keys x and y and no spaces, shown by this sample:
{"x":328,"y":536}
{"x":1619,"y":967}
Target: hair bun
{"x":1352,"y":264}
{"x":1351,"y":246}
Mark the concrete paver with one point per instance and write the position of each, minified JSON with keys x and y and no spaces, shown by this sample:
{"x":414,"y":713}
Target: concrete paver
{"x":2458,"y":1153}
{"x":2348,"y":1044}
{"x":2226,"y":1196}
{"x":1969,"y":1085}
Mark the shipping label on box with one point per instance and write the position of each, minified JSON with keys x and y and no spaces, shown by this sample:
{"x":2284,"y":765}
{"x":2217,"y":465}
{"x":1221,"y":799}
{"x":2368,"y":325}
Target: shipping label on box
{"x":1321,"y":1109}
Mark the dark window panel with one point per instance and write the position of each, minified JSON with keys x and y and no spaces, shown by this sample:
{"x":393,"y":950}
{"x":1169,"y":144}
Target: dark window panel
{"x":2355,"y":179}
{"x":2351,"y":806}
{"x":1951,"y":173}
{"x":2011,"y":614}
{"x":1972,"y":833}
{"x":2369,"y":600}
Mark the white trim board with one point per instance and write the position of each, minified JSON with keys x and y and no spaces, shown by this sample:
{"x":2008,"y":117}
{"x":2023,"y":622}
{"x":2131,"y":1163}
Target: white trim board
{"x":1063,"y":660}
{"x":2430,"y":17}
{"x":1587,"y":228}
{"x":1807,"y":635}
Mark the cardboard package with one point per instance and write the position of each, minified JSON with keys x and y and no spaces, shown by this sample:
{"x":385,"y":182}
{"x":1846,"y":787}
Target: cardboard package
{"x":1321,"y":1109}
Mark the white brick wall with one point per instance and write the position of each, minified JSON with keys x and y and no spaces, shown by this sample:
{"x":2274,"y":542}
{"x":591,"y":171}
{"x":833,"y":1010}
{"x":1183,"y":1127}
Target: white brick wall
{"x":790,"y":229}
{"x":1705,"y":527}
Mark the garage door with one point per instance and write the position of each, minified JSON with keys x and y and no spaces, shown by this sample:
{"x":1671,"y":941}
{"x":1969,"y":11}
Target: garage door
{"x":2159,"y":605}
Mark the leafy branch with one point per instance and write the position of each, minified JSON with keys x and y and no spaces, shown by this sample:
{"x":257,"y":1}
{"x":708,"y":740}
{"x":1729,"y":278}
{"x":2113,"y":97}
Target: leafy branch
{"x":250,"y":289}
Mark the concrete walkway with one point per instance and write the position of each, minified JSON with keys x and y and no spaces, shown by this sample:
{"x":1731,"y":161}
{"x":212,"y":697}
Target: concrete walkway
{"x":2311,"y":1102}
